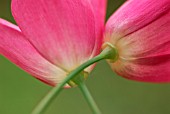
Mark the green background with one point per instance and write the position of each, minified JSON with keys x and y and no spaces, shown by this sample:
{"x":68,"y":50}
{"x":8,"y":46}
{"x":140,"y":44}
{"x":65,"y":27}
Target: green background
{"x":20,"y":92}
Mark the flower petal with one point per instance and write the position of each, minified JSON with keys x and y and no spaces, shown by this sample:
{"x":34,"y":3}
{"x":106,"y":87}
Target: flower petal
{"x":144,"y":48}
{"x":134,"y":15}
{"x":99,"y":8}
{"x":16,"y":48}
{"x":63,"y":31}
{"x":152,"y":69}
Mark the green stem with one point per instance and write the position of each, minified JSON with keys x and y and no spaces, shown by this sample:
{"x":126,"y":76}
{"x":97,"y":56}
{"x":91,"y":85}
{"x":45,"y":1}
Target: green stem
{"x":89,"y":98}
{"x":108,"y":53}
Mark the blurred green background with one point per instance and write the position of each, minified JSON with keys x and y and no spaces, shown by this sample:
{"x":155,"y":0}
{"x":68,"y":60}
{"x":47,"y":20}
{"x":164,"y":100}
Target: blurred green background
{"x":19,"y":92}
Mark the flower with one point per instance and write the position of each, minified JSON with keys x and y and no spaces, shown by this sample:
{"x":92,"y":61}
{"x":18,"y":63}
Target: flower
{"x":140,"y":31}
{"x":53,"y":37}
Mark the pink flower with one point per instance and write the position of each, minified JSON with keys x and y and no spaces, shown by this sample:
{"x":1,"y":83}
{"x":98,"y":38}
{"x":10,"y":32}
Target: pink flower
{"x":140,"y":31}
{"x":53,"y":37}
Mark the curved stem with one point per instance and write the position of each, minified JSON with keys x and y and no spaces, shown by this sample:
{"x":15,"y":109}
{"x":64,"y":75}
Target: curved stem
{"x":45,"y":102}
{"x":89,"y":98}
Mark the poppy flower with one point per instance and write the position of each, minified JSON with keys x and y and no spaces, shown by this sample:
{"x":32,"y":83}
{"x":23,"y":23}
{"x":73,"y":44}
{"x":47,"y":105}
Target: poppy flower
{"x":53,"y":37}
{"x":140,"y":31}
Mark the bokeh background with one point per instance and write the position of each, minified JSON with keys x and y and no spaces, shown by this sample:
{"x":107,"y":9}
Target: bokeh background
{"x":20,"y":92}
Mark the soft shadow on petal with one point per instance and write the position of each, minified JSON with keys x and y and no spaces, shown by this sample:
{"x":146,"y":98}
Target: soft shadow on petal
{"x":63,"y":31}
{"x":17,"y":49}
{"x":99,"y":8}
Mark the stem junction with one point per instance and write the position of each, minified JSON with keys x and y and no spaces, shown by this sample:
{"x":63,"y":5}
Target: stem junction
{"x":108,"y":53}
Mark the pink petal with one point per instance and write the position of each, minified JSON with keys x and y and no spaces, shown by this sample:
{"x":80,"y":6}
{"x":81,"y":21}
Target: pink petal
{"x":136,"y":14}
{"x":63,"y":31}
{"x":144,"y":48}
{"x":99,"y":7}
{"x":16,"y":48}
